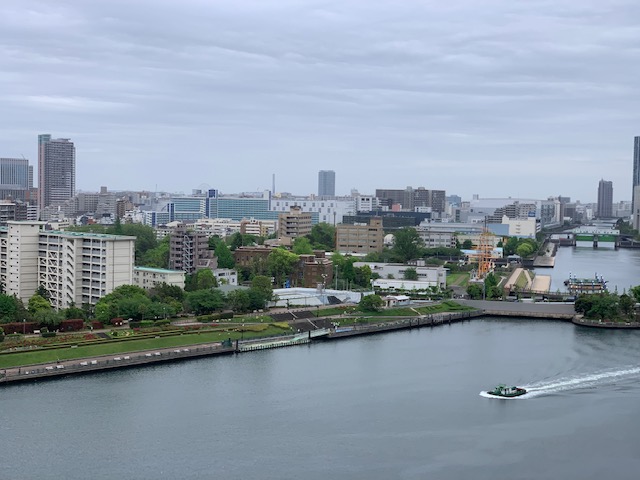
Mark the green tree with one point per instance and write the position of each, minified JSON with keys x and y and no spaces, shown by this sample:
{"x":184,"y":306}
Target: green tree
{"x":213,"y":241}
{"x":302,"y":246}
{"x":224,"y":256}
{"x":635,"y":292}
{"x":117,"y":227}
{"x":605,"y":307}
{"x":108,"y":307}
{"x":73,"y":312}
{"x":157,"y":257}
{"x":407,"y":245}
{"x":202,"y":302}
{"x":363,"y":276}
{"x":8,"y":308}
{"x":410,"y":274}
{"x":474,"y":291}
{"x":524,"y":250}
{"x":136,"y":307}
{"x":467,"y":245}
{"x":145,"y":238}
{"x":323,"y":236}
{"x":163,"y":292}
{"x":627,"y":306}
{"x":262,"y":285}
{"x":257,"y":299}
{"x":239,"y":301}
{"x":205,"y":279}
{"x":370,"y":303}
{"x":281,"y":264}
{"x":37,"y":303}
{"x":43,"y":292}
{"x":348,"y":272}
{"x":240,"y":240}
{"x":48,"y":318}
{"x":510,"y":247}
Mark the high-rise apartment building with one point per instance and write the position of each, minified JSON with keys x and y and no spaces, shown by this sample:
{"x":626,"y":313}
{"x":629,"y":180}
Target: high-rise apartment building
{"x":326,"y":183}
{"x":56,"y":170}
{"x":635,"y":202}
{"x":189,"y":250}
{"x":75,"y":268}
{"x":15,"y":175}
{"x":605,"y":199}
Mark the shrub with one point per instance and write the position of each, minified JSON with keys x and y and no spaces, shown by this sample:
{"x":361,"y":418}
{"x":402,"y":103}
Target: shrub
{"x":117,"y":322}
{"x":48,"y":334}
{"x":20,"y":327}
{"x":159,"y":323}
{"x":72,"y":325}
{"x":283,"y":325}
{"x":97,"y":325}
{"x":253,"y":328}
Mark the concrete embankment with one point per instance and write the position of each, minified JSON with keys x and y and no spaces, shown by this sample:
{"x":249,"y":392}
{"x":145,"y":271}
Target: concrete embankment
{"x":134,"y":359}
{"x":402,"y":324}
{"x":110,"y":362}
{"x":547,"y":311}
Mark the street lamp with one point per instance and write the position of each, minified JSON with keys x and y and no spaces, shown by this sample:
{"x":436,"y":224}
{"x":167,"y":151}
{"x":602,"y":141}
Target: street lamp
{"x":24,"y":326}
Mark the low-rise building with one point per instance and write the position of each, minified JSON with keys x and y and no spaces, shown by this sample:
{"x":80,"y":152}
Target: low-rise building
{"x":393,"y":274}
{"x":147,"y":277}
{"x":225,"y":276}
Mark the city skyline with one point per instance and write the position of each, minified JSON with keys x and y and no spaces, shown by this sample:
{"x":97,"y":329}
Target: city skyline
{"x":512,"y":103}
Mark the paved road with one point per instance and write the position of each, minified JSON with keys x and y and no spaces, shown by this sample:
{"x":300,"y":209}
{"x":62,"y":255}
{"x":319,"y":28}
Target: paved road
{"x":540,"y":308}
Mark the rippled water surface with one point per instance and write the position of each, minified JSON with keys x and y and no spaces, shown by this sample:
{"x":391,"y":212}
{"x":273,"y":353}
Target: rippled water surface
{"x":404,"y":405}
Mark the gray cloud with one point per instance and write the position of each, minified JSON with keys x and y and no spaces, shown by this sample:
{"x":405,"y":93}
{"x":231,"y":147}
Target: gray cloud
{"x":498,"y":98}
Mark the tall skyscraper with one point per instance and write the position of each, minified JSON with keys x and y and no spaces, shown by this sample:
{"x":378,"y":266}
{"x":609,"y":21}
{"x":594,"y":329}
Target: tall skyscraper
{"x":15,"y":175}
{"x":605,"y":199}
{"x":326,"y":183}
{"x":56,"y":170}
{"x":636,"y":173}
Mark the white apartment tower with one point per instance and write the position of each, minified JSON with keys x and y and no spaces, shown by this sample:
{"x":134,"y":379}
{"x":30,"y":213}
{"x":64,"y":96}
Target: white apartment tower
{"x":75,"y":268}
{"x":56,"y":170}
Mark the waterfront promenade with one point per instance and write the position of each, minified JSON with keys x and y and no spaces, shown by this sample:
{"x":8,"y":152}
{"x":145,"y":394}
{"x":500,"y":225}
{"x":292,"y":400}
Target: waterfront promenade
{"x":557,"y":311}
{"x":550,"y":310}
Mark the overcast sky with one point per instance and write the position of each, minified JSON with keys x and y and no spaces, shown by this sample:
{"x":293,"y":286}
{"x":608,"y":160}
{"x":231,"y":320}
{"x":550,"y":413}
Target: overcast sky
{"x":498,"y":97}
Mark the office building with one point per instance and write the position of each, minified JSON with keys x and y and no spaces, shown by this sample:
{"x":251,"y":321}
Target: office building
{"x":56,"y":170}
{"x":605,"y":199}
{"x":413,"y":199}
{"x":75,"y":268}
{"x":322,"y":210}
{"x":15,"y":175}
{"x":360,"y":237}
{"x":326,"y":183}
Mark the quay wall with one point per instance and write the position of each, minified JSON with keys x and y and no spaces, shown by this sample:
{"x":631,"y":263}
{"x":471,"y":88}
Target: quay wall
{"x":150,"y":357}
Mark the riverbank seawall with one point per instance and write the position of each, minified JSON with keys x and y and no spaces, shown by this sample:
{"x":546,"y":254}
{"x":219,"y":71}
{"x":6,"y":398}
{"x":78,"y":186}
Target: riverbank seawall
{"x":563,"y":312}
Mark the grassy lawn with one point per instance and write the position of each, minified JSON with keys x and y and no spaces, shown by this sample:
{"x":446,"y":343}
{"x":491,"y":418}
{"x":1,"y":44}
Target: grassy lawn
{"x":458,"y":279}
{"x":522,"y":282}
{"x":444,"y":307}
{"x":117,"y":347}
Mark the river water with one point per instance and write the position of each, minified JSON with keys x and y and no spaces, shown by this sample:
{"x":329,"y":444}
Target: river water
{"x":405,"y":405}
{"x":621,"y":268}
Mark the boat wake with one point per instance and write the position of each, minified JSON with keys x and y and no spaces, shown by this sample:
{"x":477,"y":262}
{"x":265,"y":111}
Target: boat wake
{"x":570,"y":383}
